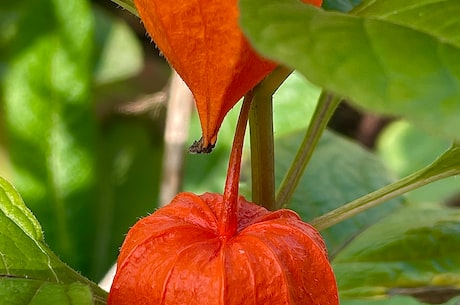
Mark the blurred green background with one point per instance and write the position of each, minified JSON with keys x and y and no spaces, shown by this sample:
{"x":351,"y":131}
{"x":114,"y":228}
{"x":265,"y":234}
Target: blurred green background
{"x":85,"y":163}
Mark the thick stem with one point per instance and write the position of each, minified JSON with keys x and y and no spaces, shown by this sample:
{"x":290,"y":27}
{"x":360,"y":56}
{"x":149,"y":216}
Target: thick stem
{"x":326,"y":106}
{"x":262,"y":153}
{"x":447,"y":165}
{"x":228,"y":225}
{"x":262,"y":147}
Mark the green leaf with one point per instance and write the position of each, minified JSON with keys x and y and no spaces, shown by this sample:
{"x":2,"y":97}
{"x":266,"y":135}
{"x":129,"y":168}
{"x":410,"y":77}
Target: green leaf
{"x":415,"y":247}
{"x":32,"y":292}
{"x":406,"y":149}
{"x":118,"y":51}
{"x":338,"y":172}
{"x":13,"y":207}
{"x":398,"y":68}
{"x":435,"y":17}
{"x":50,"y":121}
{"x":29,"y":272}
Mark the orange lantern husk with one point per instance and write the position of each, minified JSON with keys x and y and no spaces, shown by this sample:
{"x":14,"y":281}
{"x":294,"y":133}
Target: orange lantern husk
{"x":221,"y":249}
{"x":203,"y":42}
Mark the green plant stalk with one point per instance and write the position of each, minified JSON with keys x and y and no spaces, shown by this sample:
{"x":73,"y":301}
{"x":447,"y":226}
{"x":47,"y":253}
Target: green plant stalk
{"x":447,"y":165}
{"x":326,"y":106}
{"x":261,"y":137}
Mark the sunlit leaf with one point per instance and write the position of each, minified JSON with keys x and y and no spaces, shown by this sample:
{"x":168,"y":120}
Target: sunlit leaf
{"x":30,"y":273}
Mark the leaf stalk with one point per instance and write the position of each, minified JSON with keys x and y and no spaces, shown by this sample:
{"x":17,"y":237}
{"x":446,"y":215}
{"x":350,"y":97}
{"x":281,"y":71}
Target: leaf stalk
{"x":326,"y":106}
{"x":447,"y":165}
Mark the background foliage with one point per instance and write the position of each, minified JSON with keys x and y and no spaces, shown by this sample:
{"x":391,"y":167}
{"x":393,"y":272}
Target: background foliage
{"x":88,"y":166}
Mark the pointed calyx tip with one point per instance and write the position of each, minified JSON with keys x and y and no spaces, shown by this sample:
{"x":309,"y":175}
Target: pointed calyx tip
{"x":198,"y":147}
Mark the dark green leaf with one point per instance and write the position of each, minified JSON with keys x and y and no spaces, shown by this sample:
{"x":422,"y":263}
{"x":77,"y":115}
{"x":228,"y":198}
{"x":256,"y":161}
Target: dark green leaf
{"x":49,"y":120}
{"x":29,"y":272}
{"x":399,"y":68}
{"x":339,"y":172}
{"x":416,"y":247}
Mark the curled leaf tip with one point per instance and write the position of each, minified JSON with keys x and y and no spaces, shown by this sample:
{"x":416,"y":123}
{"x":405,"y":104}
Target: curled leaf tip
{"x":200,"y":147}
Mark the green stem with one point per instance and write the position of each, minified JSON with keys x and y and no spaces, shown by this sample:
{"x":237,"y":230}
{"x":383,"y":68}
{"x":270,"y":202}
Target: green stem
{"x":326,"y":106}
{"x":262,"y":147}
{"x":447,"y":165}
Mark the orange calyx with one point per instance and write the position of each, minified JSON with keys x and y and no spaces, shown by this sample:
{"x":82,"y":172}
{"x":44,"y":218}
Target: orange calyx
{"x":176,"y":256}
{"x":202,"y":40}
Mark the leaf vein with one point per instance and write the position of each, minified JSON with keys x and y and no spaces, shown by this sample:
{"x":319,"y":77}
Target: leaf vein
{"x":2,"y":255}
